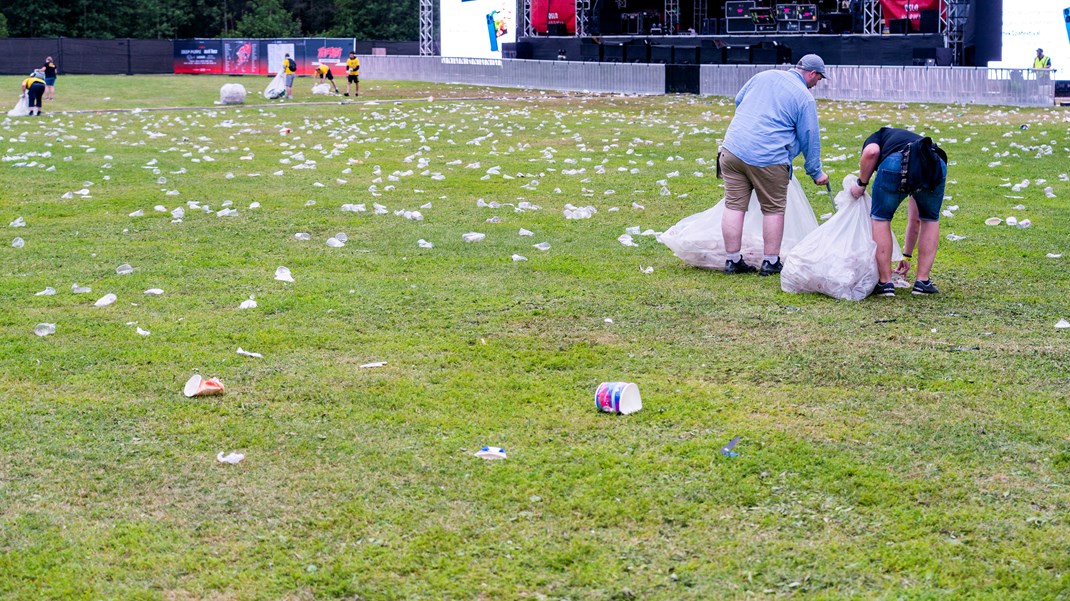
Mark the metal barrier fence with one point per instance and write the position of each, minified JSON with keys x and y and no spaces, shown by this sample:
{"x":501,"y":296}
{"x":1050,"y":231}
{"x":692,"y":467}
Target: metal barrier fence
{"x":1017,"y":87}
{"x":972,"y":85}
{"x":544,"y":75}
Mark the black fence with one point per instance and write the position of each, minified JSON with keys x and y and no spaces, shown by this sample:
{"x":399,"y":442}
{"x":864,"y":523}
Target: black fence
{"x":73,"y":56}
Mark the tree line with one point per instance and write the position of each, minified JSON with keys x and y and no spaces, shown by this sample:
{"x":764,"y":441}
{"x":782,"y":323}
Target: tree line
{"x":396,"y":20}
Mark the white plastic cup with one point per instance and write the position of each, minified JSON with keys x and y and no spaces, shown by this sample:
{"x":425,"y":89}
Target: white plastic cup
{"x":618,"y":397}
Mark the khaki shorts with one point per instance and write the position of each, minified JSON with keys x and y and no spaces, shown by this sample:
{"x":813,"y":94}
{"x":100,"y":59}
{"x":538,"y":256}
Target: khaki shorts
{"x":740,"y":179}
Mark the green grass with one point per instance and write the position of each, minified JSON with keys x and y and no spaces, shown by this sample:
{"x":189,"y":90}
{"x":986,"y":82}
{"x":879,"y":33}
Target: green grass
{"x":875,"y":462}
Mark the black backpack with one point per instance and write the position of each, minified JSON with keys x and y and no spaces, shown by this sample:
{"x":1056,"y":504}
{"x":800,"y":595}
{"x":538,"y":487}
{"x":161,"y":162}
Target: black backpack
{"x":921,"y":169}
{"x":292,"y":64}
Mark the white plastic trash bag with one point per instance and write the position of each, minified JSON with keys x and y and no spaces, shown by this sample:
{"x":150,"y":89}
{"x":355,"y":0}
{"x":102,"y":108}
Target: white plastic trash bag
{"x":22,"y":108}
{"x":697,"y":239}
{"x":232,"y":93}
{"x":321,"y":88}
{"x":276,"y":88}
{"x":837,"y":259}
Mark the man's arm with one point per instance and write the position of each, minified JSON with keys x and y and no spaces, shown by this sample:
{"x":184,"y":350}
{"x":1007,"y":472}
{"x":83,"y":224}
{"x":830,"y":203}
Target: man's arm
{"x":867,"y":166}
{"x":808,"y":134}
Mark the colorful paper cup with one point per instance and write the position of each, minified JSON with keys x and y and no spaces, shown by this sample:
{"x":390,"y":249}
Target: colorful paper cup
{"x":618,"y":397}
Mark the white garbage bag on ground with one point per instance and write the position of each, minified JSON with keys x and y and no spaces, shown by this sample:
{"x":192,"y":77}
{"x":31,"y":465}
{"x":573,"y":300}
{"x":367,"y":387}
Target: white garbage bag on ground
{"x":697,"y":239}
{"x":232,"y":93}
{"x":837,"y":259}
{"x":22,"y":108}
{"x":321,"y":88}
{"x":276,"y":88}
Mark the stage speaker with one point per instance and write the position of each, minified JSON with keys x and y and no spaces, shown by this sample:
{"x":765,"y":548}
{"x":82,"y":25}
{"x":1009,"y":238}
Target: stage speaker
{"x":739,"y":26}
{"x":590,"y":51}
{"x":709,"y":27}
{"x":898,"y":25}
{"x":943,"y":57}
{"x":685,"y":55}
{"x":613,"y":52}
{"x":737,"y":55}
{"x":637,"y":51}
{"x":930,"y":21}
{"x":557,"y":29}
{"x":711,"y":54}
{"x":682,"y":79}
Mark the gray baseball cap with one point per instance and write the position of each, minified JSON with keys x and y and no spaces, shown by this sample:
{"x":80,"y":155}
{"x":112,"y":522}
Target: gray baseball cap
{"x":812,"y":62}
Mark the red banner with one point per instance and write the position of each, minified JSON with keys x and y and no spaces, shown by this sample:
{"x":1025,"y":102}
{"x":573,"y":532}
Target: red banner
{"x":908,"y":9}
{"x":545,"y":13}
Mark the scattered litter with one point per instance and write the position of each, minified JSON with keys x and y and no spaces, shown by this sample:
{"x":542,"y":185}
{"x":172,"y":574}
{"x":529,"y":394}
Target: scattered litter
{"x":75,"y":288}
{"x":727,"y":450}
{"x":541,"y":246}
{"x":618,"y":397}
{"x":524,"y":232}
{"x":248,"y":304}
{"x":1012,"y":221}
{"x":963,"y":349}
{"x":18,"y":222}
{"x":424,"y":243}
{"x":124,"y":269}
{"x":519,"y":258}
{"x":892,"y":320}
{"x":491,"y":453}
{"x":18,"y":242}
{"x":142,"y":332}
{"x":993,"y":221}
{"x":626,"y":240}
{"x":473,"y":237}
{"x":198,"y":386}
{"x":106,"y":300}
{"x":1024,"y":223}
{"x":1063,"y":324}
{"x":245,"y":353}
{"x":49,"y":290}
{"x":374,"y":364}
{"x":955,"y":237}
{"x":283,"y":274}
{"x":335,"y":243}
{"x":231,"y":458}
{"x":44,"y":329}
{"x":647,"y":270}
{"x":302,"y":236}
{"x":608,"y":320}
{"x":154,"y":291}
{"x":1050,"y":256}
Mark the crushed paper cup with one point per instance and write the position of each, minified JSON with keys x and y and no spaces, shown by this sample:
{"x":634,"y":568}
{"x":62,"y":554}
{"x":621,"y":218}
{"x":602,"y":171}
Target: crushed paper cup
{"x":124,"y":269}
{"x":283,"y":274}
{"x":1049,"y":255}
{"x":198,"y":386}
{"x":424,"y":243}
{"x":647,"y":270}
{"x":1024,"y":223}
{"x":993,"y":221}
{"x":106,"y":300}
{"x":44,"y":329}
{"x":335,"y":243}
{"x":302,"y":236}
{"x":519,"y":258}
{"x":618,"y":397}
{"x":231,"y":458}
{"x":1063,"y":324}
{"x":142,"y":332}
{"x":18,"y":242}
{"x":1012,"y":220}
{"x":524,"y":232}
{"x":154,"y":291}
{"x":248,"y":304}
{"x":49,"y":291}
{"x":374,"y":364}
{"x":473,"y":237}
{"x":490,"y":453}
{"x":75,"y":288}
{"x":542,"y":246}
{"x":245,"y":353}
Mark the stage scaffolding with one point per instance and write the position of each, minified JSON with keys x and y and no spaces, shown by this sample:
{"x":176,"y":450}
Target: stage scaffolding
{"x":953,"y":15}
{"x":427,"y":27}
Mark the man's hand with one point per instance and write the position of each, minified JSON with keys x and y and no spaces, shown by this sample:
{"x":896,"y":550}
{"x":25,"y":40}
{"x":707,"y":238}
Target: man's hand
{"x":903,"y":268}
{"x":822,"y":179}
{"x":857,"y":191}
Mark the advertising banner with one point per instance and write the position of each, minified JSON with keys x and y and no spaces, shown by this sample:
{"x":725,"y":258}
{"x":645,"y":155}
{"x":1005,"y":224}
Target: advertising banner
{"x":908,"y":9}
{"x":198,"y":56}
{"x":545,"y":13}
{"x":241,"y":57}
{"x":476,"y":28}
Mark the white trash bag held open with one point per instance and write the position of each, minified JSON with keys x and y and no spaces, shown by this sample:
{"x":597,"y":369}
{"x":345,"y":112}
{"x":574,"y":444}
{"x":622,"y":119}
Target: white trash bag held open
{"x":22,"y":108}
{"x":837,"y":259}
{"x":276,"y":88}
{"x":697,"y":239}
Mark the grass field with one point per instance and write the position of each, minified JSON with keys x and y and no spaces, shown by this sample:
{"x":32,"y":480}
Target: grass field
{"x":906,"y":448}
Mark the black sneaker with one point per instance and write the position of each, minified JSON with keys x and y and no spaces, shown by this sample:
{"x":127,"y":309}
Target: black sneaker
{"x":883,"y":289}
{"x":924,"y":287}
{"x":347,"y":93}
{"x":771,"y":268}
{"x":739,"y":266}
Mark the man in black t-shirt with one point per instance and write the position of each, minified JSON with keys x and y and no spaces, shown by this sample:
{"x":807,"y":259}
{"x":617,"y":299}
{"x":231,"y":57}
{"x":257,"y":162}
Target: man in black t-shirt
{"x":881,"y":163}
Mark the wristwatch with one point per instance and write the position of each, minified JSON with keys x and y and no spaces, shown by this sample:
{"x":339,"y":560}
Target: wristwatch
{"x":861,"y":184}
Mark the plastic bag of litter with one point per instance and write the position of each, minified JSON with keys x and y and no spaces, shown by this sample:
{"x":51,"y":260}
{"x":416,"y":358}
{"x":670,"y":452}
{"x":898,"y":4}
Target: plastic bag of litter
{"x":276,"y":88}
{"x":697,"y":239}
{"x":837,"y":259}
{"x":232,"y":93}
{"x":22,"y":108}
{"x":321,"y":88}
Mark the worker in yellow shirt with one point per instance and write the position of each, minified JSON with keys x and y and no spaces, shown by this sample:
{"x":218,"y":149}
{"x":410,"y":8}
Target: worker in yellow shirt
{"x":353,"y":74}
{"x":33,"y":87}
{"x":323,"y":74}
{"x":289,"y":67}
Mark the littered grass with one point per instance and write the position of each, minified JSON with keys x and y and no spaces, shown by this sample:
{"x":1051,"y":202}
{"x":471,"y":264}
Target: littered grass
{"x":892,"y":448}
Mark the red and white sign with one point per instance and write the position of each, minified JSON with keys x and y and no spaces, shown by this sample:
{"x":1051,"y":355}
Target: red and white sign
{"x":909,"y":9}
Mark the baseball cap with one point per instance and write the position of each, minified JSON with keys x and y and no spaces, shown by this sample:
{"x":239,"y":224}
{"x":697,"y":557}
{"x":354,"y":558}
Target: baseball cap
{"x":812,"y":62}
{"x":1040,"y":50}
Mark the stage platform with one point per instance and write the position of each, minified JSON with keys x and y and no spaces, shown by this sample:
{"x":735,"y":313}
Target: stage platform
{"x":845,"y":49}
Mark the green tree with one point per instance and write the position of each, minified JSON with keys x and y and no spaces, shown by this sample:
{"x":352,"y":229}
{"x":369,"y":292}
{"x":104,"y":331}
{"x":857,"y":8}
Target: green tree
{"x":3,"y":26}
{"x":267,"y":19}
{"x":377,"y":19}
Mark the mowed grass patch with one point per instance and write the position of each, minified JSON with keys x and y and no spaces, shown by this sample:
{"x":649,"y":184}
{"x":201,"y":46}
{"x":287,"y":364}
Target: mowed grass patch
{"x":908,"y":447}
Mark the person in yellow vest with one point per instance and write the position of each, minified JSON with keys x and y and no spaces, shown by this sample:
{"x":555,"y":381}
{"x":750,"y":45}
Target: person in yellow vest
{"x":323,"y":75}
{"x":33,"y":87}
{"x":289,"y":67}
{"x":353,"y":74}
{"x":1041,"y":61}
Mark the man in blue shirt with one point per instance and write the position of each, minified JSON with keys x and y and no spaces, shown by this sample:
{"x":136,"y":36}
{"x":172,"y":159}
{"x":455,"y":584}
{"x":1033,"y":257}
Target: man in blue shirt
{"x":775,"y":120}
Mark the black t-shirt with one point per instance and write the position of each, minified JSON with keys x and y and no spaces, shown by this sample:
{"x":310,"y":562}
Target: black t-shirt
{"x":50,"y":69}
{"x":891,"y":140}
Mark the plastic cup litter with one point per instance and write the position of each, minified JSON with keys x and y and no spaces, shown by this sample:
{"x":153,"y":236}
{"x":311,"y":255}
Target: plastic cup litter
{"x":618,"y":397}
{"x":198,"y":386}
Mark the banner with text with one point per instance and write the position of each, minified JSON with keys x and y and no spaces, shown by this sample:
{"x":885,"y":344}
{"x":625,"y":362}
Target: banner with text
{"x":909,"y":9}
{"x":258,"y":56}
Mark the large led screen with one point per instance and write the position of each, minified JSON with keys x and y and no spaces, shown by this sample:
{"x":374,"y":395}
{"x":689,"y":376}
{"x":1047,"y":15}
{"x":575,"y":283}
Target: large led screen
{"x":476,"y":28}
{"x":1035,"y":24}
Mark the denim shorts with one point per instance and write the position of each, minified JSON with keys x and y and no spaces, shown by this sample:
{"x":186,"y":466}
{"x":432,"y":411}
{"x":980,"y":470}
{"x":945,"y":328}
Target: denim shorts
{"x":886,"y":197}
{"x":50,"y":81}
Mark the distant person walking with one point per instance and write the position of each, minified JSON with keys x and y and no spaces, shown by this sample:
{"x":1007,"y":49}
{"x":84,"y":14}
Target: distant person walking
{"x":289,"y":67}
{"x":1041,"y":61}
{"x":50,"y":78}
{"x":33,"y":87}
{"x":353,"y":73}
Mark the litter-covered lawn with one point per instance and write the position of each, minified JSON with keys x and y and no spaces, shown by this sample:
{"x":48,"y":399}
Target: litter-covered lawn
{"x":317,"y":351}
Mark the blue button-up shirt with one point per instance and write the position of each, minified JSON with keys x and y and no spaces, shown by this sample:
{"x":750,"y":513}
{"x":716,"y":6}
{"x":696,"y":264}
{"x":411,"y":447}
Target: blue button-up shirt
{"x":776,"y":119}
